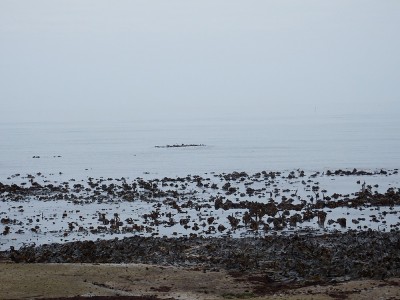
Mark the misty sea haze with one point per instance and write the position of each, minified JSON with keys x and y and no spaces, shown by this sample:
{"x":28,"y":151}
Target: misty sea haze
{"x":127,"y":149}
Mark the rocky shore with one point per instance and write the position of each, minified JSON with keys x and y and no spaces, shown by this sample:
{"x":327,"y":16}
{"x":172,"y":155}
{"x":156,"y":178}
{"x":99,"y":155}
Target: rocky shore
{"x":273,"y":230}
{"x":305,"y":259}
{"x":36,"y":209}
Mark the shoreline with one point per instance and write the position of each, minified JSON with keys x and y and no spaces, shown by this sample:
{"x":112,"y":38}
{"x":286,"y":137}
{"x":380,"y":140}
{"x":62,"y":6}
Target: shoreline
{"x":343,"y":266}
{"x":303,"y":259}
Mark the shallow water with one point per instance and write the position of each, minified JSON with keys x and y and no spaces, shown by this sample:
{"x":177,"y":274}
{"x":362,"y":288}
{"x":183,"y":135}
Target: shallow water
{"x":39,"y":220}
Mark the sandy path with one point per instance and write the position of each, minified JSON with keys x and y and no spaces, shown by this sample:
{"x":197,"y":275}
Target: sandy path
{"x":31,"y":281}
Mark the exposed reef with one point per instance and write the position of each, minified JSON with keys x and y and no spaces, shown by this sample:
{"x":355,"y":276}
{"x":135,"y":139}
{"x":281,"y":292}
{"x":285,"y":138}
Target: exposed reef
{"x":181,"y":146}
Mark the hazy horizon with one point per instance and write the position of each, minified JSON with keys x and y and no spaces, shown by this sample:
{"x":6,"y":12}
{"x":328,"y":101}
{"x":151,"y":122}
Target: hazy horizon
{"x":127,"y":60}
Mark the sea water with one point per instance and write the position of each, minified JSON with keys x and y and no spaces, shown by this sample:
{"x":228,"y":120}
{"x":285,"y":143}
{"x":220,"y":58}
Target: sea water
{"x":67,"y":151}
{"x":252,"y":144}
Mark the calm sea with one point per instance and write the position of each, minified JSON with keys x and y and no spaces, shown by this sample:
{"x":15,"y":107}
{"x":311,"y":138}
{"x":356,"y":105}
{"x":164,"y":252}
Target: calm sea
{"x":127,"y":149}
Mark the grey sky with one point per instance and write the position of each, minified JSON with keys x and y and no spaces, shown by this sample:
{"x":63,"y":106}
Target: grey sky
{"x":97,"y":59}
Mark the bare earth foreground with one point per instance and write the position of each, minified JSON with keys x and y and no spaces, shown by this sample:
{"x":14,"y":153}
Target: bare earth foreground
{"x":34,"y":281}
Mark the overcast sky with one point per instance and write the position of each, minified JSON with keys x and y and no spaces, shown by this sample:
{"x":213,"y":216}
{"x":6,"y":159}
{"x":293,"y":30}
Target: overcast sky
{"x":129,"y":59}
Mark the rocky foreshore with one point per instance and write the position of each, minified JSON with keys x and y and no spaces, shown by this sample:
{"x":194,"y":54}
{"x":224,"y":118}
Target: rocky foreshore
{"x":37,"y":209}
{"x":297,"y":258}
{"x":272,"y":230}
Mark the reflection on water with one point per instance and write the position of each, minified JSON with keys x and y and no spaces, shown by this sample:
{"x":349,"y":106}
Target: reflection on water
{"x":127,"y":149}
